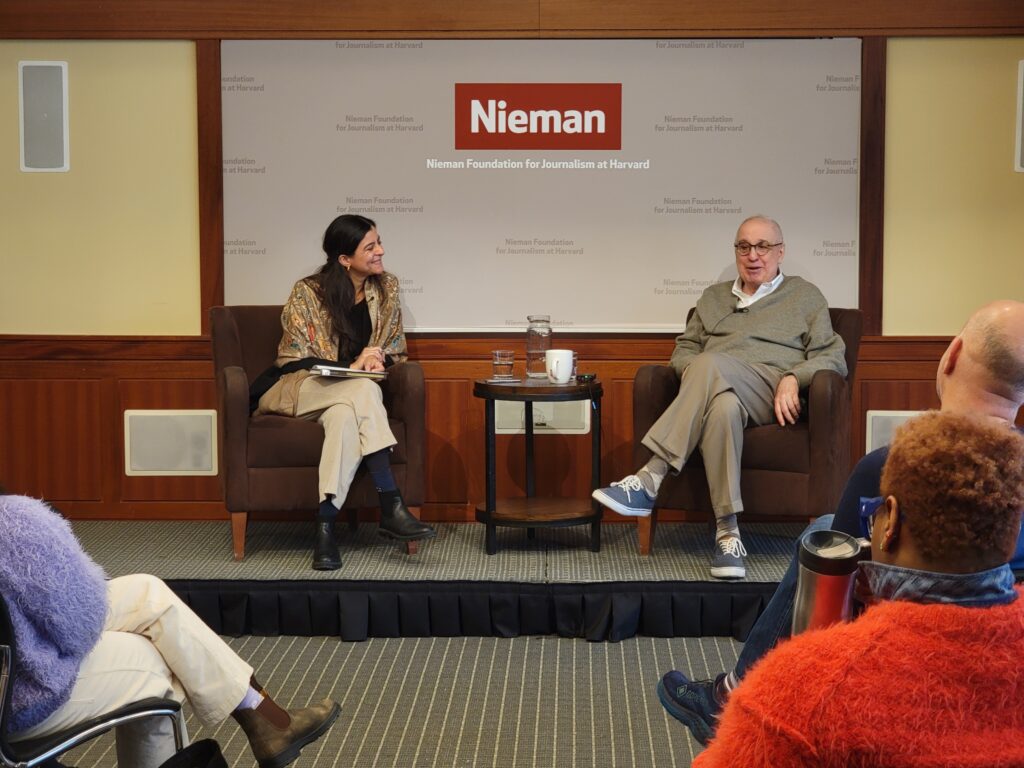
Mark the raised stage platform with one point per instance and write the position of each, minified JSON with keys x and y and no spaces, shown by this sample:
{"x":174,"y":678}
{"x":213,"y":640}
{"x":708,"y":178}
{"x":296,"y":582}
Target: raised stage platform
{"x":550,"y":585}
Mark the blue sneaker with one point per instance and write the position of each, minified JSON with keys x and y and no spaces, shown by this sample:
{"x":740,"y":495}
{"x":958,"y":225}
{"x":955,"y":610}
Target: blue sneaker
{"x":727,"y":562}
{"x":692,"y":702}
{"x":627,"y":497}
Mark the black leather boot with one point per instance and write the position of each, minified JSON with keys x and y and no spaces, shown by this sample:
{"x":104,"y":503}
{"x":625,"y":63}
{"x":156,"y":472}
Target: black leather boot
{"x":397,"y":522}
{"x":325,"y":551}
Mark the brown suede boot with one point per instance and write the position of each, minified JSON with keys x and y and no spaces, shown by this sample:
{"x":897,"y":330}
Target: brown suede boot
{"x":277,"y":736}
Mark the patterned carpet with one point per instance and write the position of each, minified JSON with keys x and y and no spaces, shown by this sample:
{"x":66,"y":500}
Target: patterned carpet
{"x":281,"y":551}
{"x":531,"y":702}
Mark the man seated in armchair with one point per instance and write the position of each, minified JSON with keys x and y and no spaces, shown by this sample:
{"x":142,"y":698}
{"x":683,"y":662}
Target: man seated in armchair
{"x":748,"y":350}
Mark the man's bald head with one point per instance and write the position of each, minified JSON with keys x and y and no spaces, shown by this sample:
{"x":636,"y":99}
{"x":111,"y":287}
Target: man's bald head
{"x":994,"y":337}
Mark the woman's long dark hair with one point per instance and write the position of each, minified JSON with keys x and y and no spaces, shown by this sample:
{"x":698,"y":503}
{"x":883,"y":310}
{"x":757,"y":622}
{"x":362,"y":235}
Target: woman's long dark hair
{"x":337,"y":293}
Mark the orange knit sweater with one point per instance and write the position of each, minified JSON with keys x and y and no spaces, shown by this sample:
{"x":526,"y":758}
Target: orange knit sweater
{"x":904,"y":685}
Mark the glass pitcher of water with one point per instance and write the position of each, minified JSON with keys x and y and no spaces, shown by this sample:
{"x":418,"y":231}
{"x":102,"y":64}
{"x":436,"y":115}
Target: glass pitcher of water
{"x":538,"y":341}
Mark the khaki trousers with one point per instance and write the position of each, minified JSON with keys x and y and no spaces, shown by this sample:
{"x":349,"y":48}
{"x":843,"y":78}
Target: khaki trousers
{"x":355,"y":424}
{"x":718,"y":396}
{"x":152,"y":645}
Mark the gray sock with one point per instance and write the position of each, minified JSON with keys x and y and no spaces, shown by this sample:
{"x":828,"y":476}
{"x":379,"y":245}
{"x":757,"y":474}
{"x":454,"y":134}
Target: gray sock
{"x":652,"y":474}
{"x":728,"y":525}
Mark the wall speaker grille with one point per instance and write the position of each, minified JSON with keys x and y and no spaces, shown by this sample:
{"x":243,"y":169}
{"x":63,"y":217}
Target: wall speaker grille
{"x":881,"y":425}
{"x":160,"y":442}
{"x":43,"y":107}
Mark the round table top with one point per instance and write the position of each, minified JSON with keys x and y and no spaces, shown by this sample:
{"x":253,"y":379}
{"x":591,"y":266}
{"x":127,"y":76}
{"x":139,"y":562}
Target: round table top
{"x":541,"y":390}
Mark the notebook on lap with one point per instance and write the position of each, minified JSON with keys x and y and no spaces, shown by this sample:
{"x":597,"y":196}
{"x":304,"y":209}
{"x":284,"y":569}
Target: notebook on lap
{"x":339,"y":372}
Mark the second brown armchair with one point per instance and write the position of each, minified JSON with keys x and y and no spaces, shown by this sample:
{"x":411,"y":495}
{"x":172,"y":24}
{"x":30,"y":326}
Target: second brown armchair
{"x":797,"y":471}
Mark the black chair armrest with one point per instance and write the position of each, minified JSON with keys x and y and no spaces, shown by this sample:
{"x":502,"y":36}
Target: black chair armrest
{"x":32,"y":749}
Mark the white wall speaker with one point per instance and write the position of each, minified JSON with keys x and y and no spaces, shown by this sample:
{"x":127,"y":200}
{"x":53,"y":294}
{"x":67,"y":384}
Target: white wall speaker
{"x":158,"y":442}
{"x":882,"y":424}
{"x":43,"y":109}
{"x":1018,"y":157}
{"x":571,"y":417}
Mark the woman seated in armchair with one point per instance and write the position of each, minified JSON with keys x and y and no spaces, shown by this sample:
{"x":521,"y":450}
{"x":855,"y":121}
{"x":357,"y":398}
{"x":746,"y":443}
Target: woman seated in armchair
{"x":346,"y":314}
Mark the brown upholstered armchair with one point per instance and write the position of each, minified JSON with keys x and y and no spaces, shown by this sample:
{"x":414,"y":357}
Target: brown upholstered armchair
{"x":797,"y":471}
{"x":269,"y":463}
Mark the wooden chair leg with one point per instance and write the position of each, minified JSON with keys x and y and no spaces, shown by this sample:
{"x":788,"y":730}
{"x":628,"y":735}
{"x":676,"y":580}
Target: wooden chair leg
{"x":239,"y":520}
{"x":645,"y":527}
{"x":353,"y":519}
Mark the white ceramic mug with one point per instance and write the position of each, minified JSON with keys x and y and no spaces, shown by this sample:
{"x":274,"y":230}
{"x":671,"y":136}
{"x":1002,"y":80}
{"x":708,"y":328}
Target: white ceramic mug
{"x":558,"y":364}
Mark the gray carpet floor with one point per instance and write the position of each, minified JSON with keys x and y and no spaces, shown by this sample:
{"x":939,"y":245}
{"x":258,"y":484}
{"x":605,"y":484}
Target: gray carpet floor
{"x":530,"y":702}
{"x":281,"y":551}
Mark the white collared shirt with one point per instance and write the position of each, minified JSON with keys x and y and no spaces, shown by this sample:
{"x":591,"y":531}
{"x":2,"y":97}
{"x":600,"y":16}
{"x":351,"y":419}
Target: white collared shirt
{"x":762,"y":290}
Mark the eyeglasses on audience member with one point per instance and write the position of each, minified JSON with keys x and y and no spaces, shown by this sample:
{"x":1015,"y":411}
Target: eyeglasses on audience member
{"x":869,"y":506}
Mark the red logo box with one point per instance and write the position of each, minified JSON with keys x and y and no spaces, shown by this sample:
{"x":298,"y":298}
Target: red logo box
{"x":538,"y":116}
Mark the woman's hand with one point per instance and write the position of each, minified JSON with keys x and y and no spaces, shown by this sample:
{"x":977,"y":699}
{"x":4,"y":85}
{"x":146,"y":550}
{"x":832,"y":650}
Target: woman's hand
{"x":370,"y":359}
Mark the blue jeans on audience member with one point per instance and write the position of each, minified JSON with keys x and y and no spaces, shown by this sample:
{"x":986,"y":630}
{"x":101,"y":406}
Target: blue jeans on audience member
{"x":775,"y":622}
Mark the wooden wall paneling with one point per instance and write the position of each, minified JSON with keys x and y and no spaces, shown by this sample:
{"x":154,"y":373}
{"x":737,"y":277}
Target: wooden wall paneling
{"x":165,"y":394}
{"x":261,"y":18}
{"x":211,"y":179}
{"x":19,"y":350}
{"x":617,"y":438}
{"x":872,"y":181}
{"x":52,"y":437}
{"x":196,"y":19}
{"x":779,"y":18}
{"x":893,"y":374}
{"x":450,"y":456}
{"x":92,"y":393}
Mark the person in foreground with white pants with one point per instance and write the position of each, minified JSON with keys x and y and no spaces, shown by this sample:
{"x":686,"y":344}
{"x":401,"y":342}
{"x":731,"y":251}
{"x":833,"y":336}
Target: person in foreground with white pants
{"x":87,"y":646}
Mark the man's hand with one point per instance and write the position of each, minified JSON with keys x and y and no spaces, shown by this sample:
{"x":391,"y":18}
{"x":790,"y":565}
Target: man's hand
{"x":787,"y":400}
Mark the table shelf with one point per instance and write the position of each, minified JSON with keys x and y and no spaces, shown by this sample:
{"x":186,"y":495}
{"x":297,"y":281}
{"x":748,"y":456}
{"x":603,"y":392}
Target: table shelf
{"x":532,"y":512}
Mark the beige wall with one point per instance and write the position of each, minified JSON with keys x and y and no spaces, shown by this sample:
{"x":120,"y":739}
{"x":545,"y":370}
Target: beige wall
{"x":112,"y":246}
{"x":954,"y":206}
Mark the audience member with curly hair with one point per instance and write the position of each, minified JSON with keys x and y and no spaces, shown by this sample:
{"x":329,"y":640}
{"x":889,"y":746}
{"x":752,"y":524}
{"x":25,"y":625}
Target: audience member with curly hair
{"x":930,"y":674}
{"x":970,"y":490}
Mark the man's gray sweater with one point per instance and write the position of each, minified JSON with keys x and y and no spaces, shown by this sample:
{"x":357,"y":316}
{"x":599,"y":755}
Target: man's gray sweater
{"x":789,"y":329}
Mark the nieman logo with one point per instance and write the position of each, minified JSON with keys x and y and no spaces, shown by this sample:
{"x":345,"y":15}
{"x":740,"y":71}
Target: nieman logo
{"x":538,"y":116}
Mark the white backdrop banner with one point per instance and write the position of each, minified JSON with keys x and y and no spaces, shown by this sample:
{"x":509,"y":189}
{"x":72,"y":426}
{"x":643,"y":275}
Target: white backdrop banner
{"x":598,"y":181}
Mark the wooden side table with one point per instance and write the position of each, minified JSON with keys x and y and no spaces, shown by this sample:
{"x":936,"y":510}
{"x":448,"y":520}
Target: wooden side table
{"x":535,"y":512}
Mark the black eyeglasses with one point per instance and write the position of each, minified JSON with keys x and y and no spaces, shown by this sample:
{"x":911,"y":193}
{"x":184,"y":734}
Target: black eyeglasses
{"x":761,"y":249}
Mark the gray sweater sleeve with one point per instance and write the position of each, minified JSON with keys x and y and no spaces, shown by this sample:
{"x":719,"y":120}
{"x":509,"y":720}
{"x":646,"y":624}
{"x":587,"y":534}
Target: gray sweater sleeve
{"x":689,"y":343}
{"x":824,"y":348}
{"x":789,"y":330}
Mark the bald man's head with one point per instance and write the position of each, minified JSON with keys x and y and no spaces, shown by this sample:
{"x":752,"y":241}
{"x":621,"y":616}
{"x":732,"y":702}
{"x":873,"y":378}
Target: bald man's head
{"x":994,"y":337}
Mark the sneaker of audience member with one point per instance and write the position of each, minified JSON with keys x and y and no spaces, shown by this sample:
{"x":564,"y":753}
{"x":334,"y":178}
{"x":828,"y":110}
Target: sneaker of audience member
{"x":727,"y":562}
{"x":627,"y":497}
{"x":694,"y":703}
